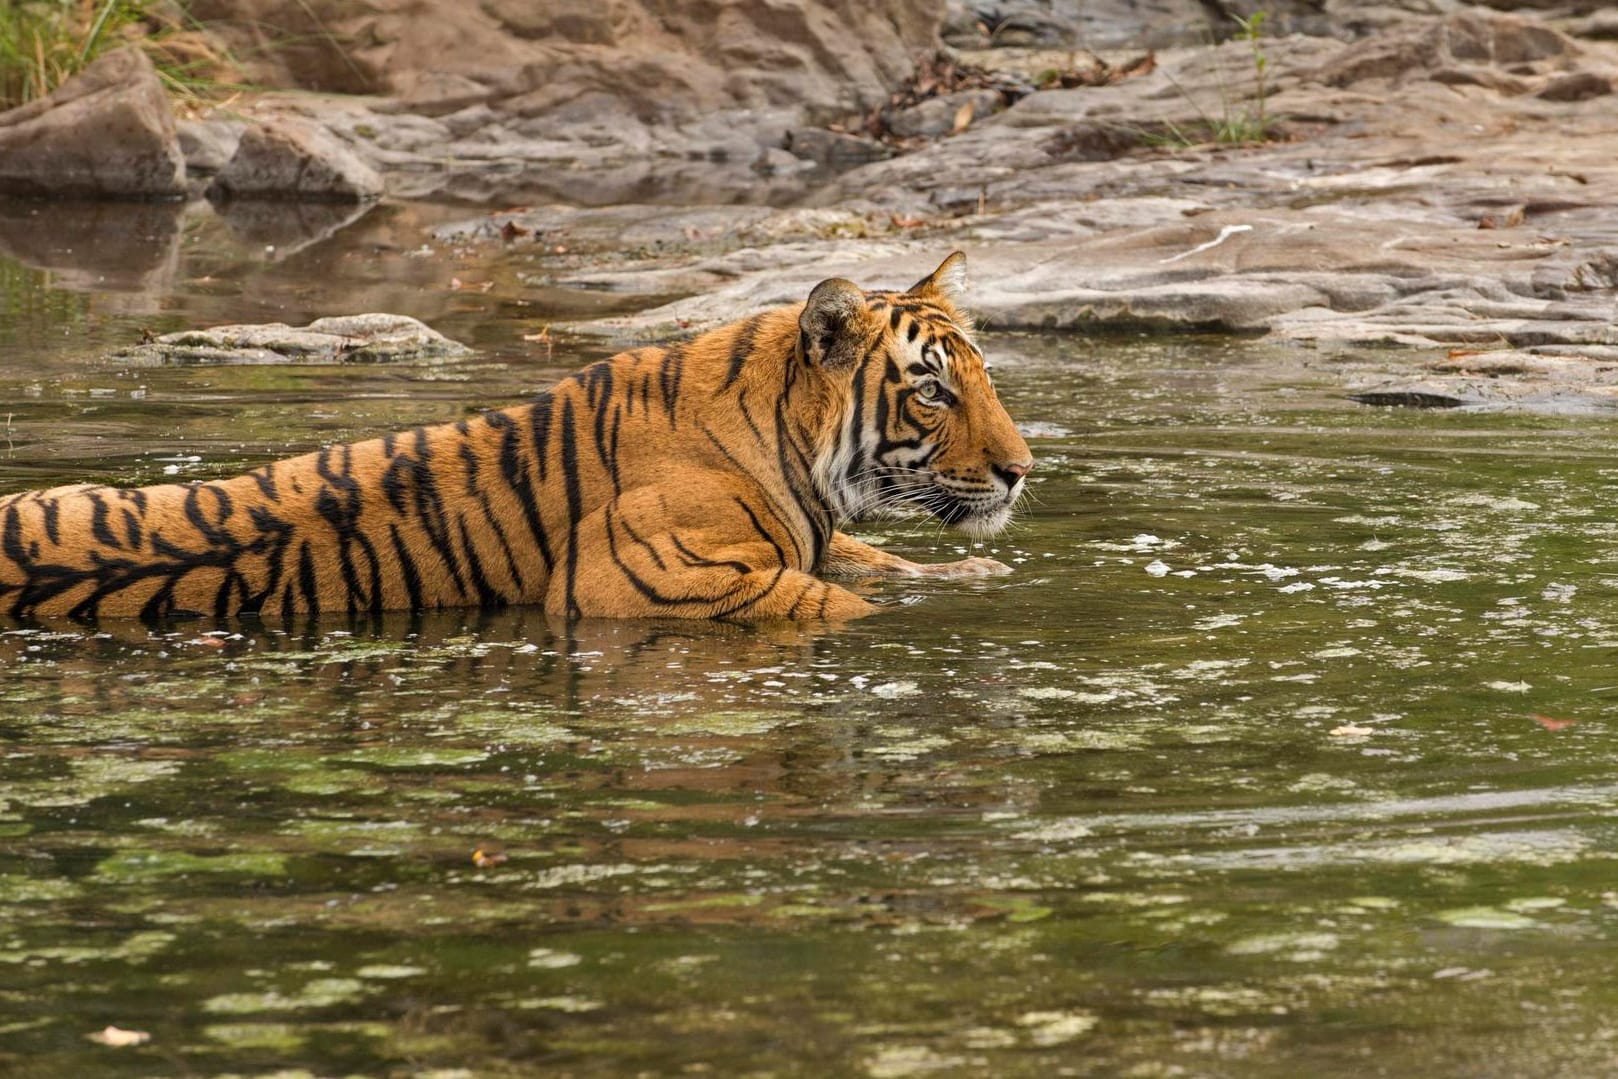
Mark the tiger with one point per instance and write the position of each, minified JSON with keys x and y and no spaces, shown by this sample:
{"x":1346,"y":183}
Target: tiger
{"x":704,"y":479}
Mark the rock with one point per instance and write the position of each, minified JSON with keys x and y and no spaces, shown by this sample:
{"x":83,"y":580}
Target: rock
{"x":1554,"y":379}
{"x":774,"y":161}
{"x":292,"y":159}
{"x":938,"y":115}
{"x":579,"y":100}
{"x":436,"y":93}
{"x":472,"y":119}
{"x":1598,"y":25}
{"x":208,"y":145}
{"x":1577,"y":86}
{"x":106,"y":133}
{"x":373,"y":338}
{"x":1097,"y":140}
{"x":655,"y":60}
{"x":1116,"y":24}
{"x":1469,"y":39}
{"x":834,"y":149}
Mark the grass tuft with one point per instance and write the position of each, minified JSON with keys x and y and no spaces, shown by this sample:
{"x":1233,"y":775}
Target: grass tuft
{"x":43,"y":43}
{"x":1236,"y":122}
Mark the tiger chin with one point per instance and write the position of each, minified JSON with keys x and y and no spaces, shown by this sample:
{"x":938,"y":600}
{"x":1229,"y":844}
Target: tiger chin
{"x":705,"y":479}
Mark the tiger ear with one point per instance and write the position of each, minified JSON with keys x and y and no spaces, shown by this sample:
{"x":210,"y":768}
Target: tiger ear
{"x":947,"y":282}
{"x":829,"y":330}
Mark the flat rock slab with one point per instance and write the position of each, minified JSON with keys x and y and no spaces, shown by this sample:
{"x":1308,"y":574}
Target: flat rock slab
{"x":1553,"y":379}
{"x":371,"y":338}
{"x":1443,"y":183}
{"x":105,"y":133}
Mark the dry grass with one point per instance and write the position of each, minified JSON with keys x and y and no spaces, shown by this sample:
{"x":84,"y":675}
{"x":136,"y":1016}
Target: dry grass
{"x":43,"y":43}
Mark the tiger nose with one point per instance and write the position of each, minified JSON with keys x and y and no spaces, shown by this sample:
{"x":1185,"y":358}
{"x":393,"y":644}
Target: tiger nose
{"x":1013,"y":472}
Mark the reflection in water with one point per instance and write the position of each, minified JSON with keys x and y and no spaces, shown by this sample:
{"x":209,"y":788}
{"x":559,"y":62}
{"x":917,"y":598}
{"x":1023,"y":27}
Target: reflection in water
{"x":280,"y":228}
{"x":117,"y":247}
{"x":130,"y":252}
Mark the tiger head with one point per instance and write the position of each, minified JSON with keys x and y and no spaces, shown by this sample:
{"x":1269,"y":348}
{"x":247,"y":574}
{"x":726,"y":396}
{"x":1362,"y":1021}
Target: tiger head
{"x":920,"y":426}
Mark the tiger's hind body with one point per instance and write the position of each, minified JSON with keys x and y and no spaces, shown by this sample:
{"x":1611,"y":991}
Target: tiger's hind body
{"x":703,"y":479}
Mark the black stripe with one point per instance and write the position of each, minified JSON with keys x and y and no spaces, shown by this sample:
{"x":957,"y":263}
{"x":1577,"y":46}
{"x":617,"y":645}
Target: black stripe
{"x":487,"y":597}
{"x":53,"y":518}
{"x":306,"y":580}
{"x":640,"y":584}
{"x":407,"y":569}
{"x":741,"y":347}
{"x":646,"y":545}
{"x":692,"y":559}
{"x":516,"y":477}
{"x":429,"y":510}
{"x":575,"y":501}
{"x":98,"y":520}
{"x":265,"y":479}
{"x":668,"y":378}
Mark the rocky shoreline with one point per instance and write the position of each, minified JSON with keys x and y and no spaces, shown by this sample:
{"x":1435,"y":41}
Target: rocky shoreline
{"x":1437,"y":180}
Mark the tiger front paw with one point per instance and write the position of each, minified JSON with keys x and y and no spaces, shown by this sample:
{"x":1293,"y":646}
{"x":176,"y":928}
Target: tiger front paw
{"x":967,"y":567}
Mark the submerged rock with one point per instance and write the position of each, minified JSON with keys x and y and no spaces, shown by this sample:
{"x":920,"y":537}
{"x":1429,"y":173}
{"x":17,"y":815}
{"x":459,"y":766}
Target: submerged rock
{"x":105,"y":133}
{"x":371,"y":338}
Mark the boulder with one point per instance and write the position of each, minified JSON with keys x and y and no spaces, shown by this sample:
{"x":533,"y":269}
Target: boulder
{"x":659,"y":59}
{"x":106,"y":133}
{"x":287,"y":158}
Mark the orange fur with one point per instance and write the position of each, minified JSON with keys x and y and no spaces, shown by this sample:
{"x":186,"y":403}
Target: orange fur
{"x":700,"y":480}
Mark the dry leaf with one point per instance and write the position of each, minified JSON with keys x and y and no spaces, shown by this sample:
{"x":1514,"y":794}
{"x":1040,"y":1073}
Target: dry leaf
{"x":118,"y":1038}
{"x":963,"y":119}
{"x":1552,"y":724}
{"x":511,"y":230}
{"x":1141,"y":65}
{"x":210,"y":642}
{"x":483,"y":859}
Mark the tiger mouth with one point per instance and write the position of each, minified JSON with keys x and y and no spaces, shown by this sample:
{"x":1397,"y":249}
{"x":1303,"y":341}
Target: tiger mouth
{"x":977,"y":512}
{"x":975,"y":516}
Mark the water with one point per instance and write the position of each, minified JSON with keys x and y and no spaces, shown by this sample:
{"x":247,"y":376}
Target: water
{"x":1286,"y":751}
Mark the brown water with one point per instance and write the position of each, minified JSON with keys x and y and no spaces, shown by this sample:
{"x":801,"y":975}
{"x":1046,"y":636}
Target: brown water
{"x":1286,"y":751}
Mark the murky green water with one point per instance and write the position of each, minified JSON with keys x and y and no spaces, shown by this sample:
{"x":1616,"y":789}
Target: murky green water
{"x":1287,"y":751}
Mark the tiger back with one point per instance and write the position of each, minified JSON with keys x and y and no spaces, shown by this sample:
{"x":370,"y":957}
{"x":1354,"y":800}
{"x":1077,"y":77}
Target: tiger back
{"x":704,"y":479}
